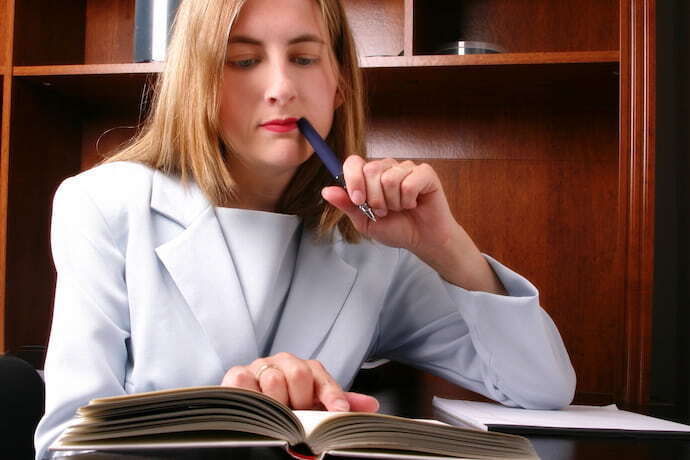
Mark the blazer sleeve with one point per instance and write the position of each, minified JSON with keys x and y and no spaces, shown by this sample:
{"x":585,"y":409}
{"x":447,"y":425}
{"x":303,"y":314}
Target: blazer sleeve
{"x":87,"y":351}
{"x":504,"y":347}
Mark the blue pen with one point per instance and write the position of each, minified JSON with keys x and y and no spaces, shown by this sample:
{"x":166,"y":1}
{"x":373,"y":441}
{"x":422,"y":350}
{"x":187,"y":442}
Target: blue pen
{"x":329,"y":159}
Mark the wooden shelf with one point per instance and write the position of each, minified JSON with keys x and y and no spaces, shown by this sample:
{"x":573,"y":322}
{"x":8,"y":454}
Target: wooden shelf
{"x":88,"y":69}
{"x":377,"y":62}
{"x":121,"y":86}
{"x":492,"y":59}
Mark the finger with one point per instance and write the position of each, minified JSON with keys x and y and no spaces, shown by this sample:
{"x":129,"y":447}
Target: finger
{"x":299,"y":378}
{"x":339,"y":198}
{"x":391,"y":179}
{"x":327,"y":390}
{"x":362,"y":403}
{"x":271,"y":381}
{"x":241,"y":377}
{"x":354,"y":178}
{"x":421,"y":180}
{"x":372,"y":176}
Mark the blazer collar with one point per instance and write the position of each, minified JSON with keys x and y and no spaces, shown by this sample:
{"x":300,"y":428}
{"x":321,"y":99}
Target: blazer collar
{"x":321,"y":285}
{"x":200,"y":264}
{"x":201,"y":267}
{"x":180,"y":202}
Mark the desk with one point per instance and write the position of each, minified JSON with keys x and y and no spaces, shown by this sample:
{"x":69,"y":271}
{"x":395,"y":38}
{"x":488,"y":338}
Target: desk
{"x":399,"y":393}
{"x":548,"y":447}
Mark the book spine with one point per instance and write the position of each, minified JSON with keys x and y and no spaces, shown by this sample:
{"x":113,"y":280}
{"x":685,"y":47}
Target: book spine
{"x":300,"y":456}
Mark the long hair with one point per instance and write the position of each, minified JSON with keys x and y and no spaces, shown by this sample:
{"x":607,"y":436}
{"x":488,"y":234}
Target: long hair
{"x":182,"y":133}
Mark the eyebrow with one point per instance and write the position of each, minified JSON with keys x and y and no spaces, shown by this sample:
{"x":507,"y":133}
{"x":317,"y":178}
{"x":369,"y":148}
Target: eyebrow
{"x":253,"y":41}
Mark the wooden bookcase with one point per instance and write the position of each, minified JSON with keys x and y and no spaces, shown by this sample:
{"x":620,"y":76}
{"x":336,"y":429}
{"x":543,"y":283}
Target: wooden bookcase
{"x":546,"y":150}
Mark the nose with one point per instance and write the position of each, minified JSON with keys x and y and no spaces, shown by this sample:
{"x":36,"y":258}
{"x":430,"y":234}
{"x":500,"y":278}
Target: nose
{"x":281,"y":87}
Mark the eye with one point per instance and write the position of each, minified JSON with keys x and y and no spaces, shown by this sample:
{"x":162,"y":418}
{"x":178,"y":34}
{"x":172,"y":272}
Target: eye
{"x":305,"y":61}
{"x":243,"y":63}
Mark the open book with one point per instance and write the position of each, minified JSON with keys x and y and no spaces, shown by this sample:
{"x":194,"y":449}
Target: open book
{"x":219,"y":416}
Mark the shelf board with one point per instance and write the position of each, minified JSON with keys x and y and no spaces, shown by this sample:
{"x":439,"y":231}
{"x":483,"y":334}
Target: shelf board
{"x":88,"y":69}
{"x":420,"y":81}
{"x":372,"y":62}
{"x":499,"y":59}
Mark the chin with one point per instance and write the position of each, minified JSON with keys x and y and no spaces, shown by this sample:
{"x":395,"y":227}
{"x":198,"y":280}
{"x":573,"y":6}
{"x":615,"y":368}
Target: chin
{"x":286,"y":160}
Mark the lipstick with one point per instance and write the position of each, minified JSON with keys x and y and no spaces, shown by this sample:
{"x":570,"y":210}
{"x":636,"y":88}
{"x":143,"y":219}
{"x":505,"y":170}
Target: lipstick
{"x":281,"y":126}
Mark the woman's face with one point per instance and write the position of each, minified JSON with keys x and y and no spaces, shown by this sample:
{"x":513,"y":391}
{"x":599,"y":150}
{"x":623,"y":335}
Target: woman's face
{"x":279,"y":67}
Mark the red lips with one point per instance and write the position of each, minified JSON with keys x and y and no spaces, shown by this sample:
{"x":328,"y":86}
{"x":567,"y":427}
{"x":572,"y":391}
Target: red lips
{"x":283,"y":125}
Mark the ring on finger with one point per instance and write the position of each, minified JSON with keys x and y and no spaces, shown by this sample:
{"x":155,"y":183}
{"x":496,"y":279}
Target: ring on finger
{"x":263,"y":369}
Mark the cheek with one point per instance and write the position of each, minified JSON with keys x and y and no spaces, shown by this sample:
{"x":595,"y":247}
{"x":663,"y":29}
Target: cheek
{"x":232,"y":97}
{"x":321,"y":97}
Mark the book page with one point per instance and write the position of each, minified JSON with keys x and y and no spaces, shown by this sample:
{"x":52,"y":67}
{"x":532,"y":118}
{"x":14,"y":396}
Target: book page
{"x":481,"y":414}
{"x":311,"y":418}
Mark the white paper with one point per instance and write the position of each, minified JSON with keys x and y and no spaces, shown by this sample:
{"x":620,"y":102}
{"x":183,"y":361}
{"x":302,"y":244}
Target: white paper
{"x":481,"y":414}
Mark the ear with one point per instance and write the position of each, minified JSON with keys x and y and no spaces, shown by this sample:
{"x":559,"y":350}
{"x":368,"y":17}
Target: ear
{"x":339,"y":100}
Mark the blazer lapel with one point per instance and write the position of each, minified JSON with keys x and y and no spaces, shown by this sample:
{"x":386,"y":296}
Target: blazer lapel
{"x":321,"y":285}
{"x":199,"y":263}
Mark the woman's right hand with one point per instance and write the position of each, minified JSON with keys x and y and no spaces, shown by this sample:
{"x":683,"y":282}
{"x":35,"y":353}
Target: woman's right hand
{"x":300,"y":384}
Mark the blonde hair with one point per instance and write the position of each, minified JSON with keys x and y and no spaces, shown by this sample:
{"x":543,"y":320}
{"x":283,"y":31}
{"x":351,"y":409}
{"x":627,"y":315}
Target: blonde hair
{"x":181,"y":135}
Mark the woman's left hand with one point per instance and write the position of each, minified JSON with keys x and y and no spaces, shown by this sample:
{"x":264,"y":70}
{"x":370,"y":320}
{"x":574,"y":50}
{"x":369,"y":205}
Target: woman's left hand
{"x":412,"y":212}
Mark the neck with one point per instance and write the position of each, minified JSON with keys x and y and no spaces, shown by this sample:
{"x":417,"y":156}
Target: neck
{"x":257,"y":191}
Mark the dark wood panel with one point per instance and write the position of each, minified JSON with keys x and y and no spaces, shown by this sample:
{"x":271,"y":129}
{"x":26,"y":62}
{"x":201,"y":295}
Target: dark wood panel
{"x":49,"y":32}
{"x":555,"y":223}
{"x":539,"y":121}
{"x":44,"y":148}
{"x":377,"y":26}
{"x":120,"y":92}
{"x":518,"y":25}
{"x":451,"y":88}
{"x":637,"y":128}
{"x":104,"y":133}
{"x":4,"y":128}
{"x":109,"y":31}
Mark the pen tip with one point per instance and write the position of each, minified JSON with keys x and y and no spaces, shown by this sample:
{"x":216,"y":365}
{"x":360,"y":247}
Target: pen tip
{"x":368,"y":212}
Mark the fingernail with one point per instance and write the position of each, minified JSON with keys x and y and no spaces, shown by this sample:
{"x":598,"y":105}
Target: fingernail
{"x":357,"y":197}
{"x":341,"y":405}
{"x":380,"y":212}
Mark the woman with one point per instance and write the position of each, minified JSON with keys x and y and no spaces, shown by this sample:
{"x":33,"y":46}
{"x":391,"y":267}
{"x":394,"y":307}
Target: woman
{"x":212,"y":251}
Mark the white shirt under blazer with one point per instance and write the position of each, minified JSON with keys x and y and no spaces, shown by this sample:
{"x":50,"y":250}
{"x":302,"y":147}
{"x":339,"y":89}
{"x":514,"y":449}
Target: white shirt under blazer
{"x":148,"y":298}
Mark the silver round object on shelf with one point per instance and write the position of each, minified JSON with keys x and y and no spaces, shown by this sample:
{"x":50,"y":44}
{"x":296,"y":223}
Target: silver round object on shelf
{"x":469,"y":47}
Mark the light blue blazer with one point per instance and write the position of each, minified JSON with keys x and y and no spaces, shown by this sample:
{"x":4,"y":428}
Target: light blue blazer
{"x":148,"y":298}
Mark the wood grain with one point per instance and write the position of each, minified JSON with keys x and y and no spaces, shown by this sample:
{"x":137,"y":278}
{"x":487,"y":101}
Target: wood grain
{"x":4,"y":37}
{"x":518,"y":25}
{"x":109,"y":31}
{"x":7,"y":7}
{"x":553,"y":57}
{"x":4,"y":130}
{"x":637,"y":180}
{"x":377,"y":26}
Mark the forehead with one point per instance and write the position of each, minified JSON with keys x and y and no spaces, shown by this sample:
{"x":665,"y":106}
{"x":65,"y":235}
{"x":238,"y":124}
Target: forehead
{"x":280,"y":19}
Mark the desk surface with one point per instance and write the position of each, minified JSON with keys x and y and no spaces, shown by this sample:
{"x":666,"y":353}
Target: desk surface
{"x":406,"y":401}
{"x":548,"y":447}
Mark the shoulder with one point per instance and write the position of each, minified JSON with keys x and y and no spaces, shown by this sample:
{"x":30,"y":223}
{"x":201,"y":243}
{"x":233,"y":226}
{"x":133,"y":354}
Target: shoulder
{"x":120,"y":180}
{"x":104,"y":196}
